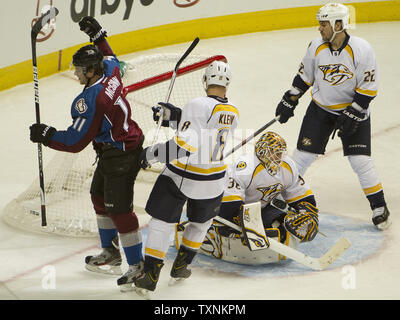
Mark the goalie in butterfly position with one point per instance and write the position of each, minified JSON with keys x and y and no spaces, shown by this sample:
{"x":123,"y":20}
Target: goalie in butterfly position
{"x":101,"y":115}
{"x":262,"y":176}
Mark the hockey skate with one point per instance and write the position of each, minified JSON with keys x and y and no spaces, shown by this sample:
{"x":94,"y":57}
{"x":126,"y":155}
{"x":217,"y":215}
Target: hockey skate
{"x":147,"y":281}
{"x":108,"y":261}
{"x":380,"y":218}
{"x":179,"y":271}
{"x":127,"y":281}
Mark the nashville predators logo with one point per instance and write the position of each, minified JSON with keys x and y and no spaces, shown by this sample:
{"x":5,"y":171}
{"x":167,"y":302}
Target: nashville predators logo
{"x":336,"y":74}
{"x":270,"y":192}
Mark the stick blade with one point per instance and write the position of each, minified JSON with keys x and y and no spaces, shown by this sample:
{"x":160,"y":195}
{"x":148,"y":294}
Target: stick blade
{"x":333,"y":253}
{"x":43,"y":20}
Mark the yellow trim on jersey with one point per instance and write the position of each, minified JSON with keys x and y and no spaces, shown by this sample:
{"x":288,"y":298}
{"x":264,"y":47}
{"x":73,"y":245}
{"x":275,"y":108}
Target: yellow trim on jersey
{"x":323,"y":46}
{"x":194,"y":169}
{"x":334,"y":106}
{"x":371,"y":93}
{"x":155,"y":253}
{"x":224,"y":107}
{"x":308,"y":193}
{"x":191,"y":244}
{"x":232,"y":198}
{"x":374,"y":189}
{"x":349,"y":51}
{"x":184,"y":145}
{"x":286,"y":166}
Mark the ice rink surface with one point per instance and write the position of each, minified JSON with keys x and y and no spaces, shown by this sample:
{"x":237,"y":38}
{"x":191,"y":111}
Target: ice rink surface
{"x":263,"y":66}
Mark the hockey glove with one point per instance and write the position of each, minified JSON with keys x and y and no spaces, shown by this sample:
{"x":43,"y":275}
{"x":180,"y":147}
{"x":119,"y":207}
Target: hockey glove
{"x":302,"y":223}
{"x":349,"y":121}
{"x":171,"y":114}
{"x":285,"y":108}
{"x":92,"y":28}
{"x":146,"y":156}
{"x":41,"y":133}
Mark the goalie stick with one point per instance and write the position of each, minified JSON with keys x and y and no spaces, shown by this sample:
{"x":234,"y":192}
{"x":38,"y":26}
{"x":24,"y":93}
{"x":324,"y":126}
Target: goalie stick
{"x":314,"y":263}
{"x":171,"y":85}
{"x":37,"y":27}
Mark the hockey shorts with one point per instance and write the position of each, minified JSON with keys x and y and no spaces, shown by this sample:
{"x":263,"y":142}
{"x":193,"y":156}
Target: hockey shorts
{"x":166,"y":202}
{"x":114,"y":178}
{"x":318,"y":126}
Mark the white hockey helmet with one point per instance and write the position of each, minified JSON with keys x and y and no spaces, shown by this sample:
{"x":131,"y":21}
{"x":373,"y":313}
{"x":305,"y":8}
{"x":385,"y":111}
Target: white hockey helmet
{"x":334,"y":11}
{"x":217,"y":73}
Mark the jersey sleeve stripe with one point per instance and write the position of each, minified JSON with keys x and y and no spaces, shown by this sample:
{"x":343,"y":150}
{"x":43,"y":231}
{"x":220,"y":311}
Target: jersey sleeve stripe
{"x":184,"y":145}
{"x":370,"y":93}
{"x":308,"y":193}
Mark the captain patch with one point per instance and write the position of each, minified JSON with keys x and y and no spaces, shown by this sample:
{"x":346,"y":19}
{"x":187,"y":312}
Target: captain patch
{"x":81,"y":106}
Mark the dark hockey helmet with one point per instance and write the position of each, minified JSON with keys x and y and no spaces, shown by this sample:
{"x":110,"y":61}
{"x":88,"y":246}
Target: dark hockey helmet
{"x":89,"y":57}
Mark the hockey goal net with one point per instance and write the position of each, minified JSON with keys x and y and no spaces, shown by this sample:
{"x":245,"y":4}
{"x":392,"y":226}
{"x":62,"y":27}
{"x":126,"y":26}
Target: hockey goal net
{"x":67,"y":176}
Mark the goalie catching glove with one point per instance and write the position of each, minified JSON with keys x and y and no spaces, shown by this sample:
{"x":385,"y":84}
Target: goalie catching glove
{"x":303,"y":223}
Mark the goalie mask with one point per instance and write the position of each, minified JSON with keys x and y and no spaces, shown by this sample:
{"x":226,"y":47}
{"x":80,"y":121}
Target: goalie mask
{"x":217,"y":73}
{"x":333,"y":12}
{"x":89,"y":57}
{"x":270,"y":149}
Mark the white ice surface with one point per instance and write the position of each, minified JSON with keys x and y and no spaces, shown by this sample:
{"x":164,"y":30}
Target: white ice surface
{"x":263,"y":66}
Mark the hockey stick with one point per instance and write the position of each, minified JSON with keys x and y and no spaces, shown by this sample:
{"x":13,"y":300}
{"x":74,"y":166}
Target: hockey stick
{"x":251,"y":136}
{"x":171,"y":85}
{"x":37,"y":27}
{"x":314,"y":263}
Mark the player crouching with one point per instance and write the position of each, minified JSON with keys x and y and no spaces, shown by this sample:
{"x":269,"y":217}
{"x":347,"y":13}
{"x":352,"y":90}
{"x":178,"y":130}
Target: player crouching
{"x":259,"y":178}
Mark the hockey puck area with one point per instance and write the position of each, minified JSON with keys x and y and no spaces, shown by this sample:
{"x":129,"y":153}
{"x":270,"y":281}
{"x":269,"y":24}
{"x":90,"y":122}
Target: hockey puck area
{"x":365,"y":240}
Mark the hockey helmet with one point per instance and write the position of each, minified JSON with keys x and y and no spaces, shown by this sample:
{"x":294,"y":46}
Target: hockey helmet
{"x":217,"y":73}
{"x":333,"y":12}
{"x":89,"y":57}
{"x":270,"y":149}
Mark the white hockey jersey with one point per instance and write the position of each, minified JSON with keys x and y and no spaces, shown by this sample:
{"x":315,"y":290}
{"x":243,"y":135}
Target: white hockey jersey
{"x":336,"y":76}
{"x":206,"y":125}
{"x":250,"y":182}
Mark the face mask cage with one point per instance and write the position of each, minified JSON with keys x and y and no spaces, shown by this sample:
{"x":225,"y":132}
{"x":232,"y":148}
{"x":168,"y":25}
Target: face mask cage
{"x":270,"y":150}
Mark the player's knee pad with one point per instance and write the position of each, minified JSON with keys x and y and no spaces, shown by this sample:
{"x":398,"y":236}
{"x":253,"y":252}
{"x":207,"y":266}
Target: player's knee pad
{"x":364,"y":167}
{"x":194,"y":234}
{"x":125,"y":222}
{"x":303,"y":160}
{"x":98,"y":204}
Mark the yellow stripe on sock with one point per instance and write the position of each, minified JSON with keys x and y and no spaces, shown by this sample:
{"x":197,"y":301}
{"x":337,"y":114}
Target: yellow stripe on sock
{"x":155,"y":253}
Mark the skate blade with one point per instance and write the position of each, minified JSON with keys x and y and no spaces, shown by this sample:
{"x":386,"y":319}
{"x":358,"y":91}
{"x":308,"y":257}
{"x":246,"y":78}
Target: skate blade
{"x":110,"y":270}
{"x":128,"y":287}
{"x":384,"y":225}
{"x":175,"y":281}
{"x":144,"y":293}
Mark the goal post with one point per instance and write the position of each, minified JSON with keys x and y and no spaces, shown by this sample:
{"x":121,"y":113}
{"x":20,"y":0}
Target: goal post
{"x":69,"y":210}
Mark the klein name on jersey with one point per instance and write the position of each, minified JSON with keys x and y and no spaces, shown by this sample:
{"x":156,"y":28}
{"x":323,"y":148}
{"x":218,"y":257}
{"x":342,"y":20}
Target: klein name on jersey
{"x":226,"y":119}
{"x":113,"y":84}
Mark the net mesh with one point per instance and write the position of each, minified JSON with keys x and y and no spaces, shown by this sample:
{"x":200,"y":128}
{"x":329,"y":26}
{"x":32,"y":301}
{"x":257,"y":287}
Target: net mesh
{"x":68,"y":176}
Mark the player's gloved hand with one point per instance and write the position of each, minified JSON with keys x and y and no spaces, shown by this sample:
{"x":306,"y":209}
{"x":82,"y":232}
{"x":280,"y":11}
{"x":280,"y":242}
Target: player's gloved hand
{"x":147,"y":156}
{"x":92,"y":28}
{"x":349,"y":121}
{"x":171,"y":114}
{"x":41,"y":133}
{"x":286,"y":106}
{"x":302,"y":223}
